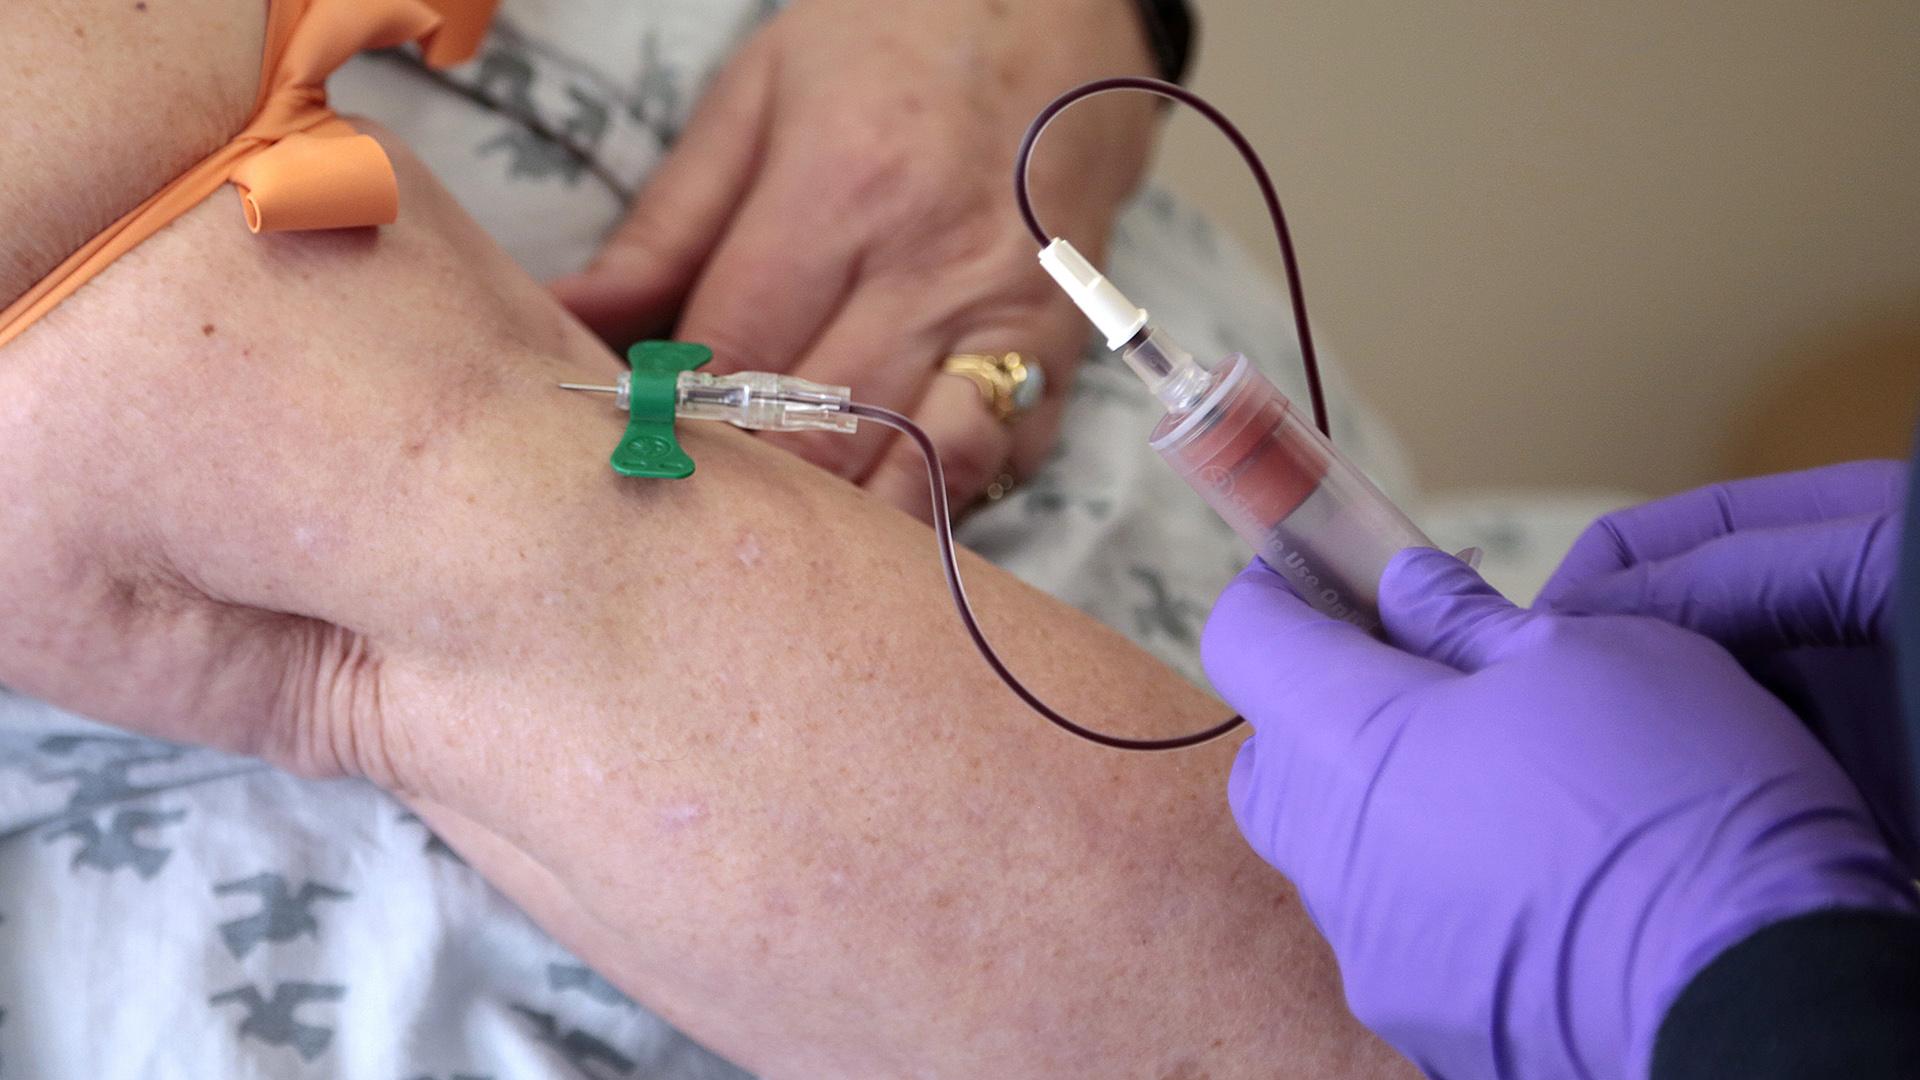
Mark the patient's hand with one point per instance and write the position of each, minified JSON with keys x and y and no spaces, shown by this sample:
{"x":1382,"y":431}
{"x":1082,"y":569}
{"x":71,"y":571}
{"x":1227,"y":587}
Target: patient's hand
{"x":841,"y":208}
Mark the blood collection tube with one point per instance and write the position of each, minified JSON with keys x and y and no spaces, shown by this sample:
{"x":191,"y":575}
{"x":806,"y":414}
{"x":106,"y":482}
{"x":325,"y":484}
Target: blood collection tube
{"x":1313,"y":517}
{"x":1269,"y":473}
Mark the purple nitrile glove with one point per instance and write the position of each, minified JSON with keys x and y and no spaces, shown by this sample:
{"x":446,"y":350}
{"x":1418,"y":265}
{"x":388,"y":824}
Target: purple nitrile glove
{"x":1523,"y":834}
{"x":1795,"y":575}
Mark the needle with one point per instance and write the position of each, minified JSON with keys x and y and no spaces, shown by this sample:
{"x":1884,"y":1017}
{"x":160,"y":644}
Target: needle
{"x":584,"y":388}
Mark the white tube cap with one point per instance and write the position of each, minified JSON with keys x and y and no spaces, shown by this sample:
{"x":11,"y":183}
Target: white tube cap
{"x":1109,"y":309}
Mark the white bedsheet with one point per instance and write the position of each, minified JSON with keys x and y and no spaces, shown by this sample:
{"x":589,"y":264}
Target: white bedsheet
{"x":173,"y":912}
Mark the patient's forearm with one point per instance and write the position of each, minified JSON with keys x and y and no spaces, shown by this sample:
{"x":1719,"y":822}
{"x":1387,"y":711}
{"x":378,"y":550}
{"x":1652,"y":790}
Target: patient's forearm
{"x":315,"y":497}
{"x":731,"y":717}
{"x":735,"y":720}
{"x":776,"y":777}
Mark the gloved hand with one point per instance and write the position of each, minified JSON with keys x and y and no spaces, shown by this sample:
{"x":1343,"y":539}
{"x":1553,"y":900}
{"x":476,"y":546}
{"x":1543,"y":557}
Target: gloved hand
{"x":1795,"y":575}
{"x":1523,"y":834}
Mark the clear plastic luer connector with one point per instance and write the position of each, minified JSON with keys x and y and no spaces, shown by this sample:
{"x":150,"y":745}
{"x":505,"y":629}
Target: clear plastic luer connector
{"x":1168,"y":369}
{"x":763,"y":401}
{"x":756,"y":400}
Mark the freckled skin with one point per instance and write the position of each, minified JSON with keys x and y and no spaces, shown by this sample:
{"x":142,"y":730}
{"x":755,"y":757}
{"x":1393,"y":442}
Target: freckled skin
{"x":89,"y":101}
{"x":893,"y":868}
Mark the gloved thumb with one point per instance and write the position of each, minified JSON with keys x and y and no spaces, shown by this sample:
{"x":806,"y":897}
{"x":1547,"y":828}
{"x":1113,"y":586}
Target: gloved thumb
{"x":1437,"y":607}
{"x":1288,"y":668}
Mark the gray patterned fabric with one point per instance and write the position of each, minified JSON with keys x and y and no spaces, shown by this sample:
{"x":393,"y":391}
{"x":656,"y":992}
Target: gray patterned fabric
{"x":167,"y":911}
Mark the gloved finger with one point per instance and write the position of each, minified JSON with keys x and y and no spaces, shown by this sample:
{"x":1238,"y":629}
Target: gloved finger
{"x":1667,"y":527}
{"x":1293,"y":671}
{"x":1437,"y":607}
{"x":975,"y":447}
{"x":1267,"y":799}
{"x":648,"y":265}
{"x":1763,"y":589}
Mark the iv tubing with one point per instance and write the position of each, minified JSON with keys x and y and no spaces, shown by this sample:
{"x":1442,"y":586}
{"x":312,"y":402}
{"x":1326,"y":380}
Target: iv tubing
{"x":1023,"y":165}
{"x":936,"y":473}
{"x":942,"y":516}
{"x":943,"y":534}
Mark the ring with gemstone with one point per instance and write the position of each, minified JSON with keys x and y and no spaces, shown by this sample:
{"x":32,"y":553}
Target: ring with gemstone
{"x":1011,"y":384}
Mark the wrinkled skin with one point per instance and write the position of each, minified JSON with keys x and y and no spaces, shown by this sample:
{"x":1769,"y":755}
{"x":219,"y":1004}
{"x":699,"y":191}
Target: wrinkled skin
{"x":315,"y":498}
{"x":841,"y":208}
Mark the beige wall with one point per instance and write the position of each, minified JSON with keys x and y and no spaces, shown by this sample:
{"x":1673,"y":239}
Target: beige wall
{"x":1609,"y":243}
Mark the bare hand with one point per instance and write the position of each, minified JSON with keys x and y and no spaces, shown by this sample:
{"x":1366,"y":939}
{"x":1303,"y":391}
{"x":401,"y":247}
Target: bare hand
{"x":840,"y":208}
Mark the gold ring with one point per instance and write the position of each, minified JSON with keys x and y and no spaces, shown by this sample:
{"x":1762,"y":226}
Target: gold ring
{"x":1011,"y":384}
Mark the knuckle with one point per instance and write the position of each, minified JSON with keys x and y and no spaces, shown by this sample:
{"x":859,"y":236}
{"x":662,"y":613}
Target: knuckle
{"x":873,"y":167}
{"x":1604,"y":536}
{"x":977,"y":239}
{"x":989,"y":289}
{"x":1602,"y":532}
{"x":899,"y":176}
{"x":1606,"y":639}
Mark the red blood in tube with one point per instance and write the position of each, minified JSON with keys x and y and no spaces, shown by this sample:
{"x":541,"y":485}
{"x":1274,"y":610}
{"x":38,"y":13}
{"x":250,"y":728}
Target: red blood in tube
{"x":1246,"y":462}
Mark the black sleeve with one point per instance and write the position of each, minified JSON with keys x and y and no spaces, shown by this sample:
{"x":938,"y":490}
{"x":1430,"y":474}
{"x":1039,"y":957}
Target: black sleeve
{"x":1170,"y":33}
{"x":1830,"y":995}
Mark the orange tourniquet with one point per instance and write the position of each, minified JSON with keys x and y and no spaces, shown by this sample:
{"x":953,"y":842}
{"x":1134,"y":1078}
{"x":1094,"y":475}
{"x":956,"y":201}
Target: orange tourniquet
{"x":297,"y":165}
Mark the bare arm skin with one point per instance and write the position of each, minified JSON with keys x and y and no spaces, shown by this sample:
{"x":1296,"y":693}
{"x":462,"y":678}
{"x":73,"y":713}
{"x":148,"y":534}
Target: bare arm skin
{"x":86,"y":137}
{"x":313,"y":497}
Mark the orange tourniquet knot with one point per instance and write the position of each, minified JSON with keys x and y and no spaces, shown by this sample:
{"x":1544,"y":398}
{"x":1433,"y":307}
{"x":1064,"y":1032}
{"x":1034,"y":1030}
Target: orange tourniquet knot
{"x":296,"y":164}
